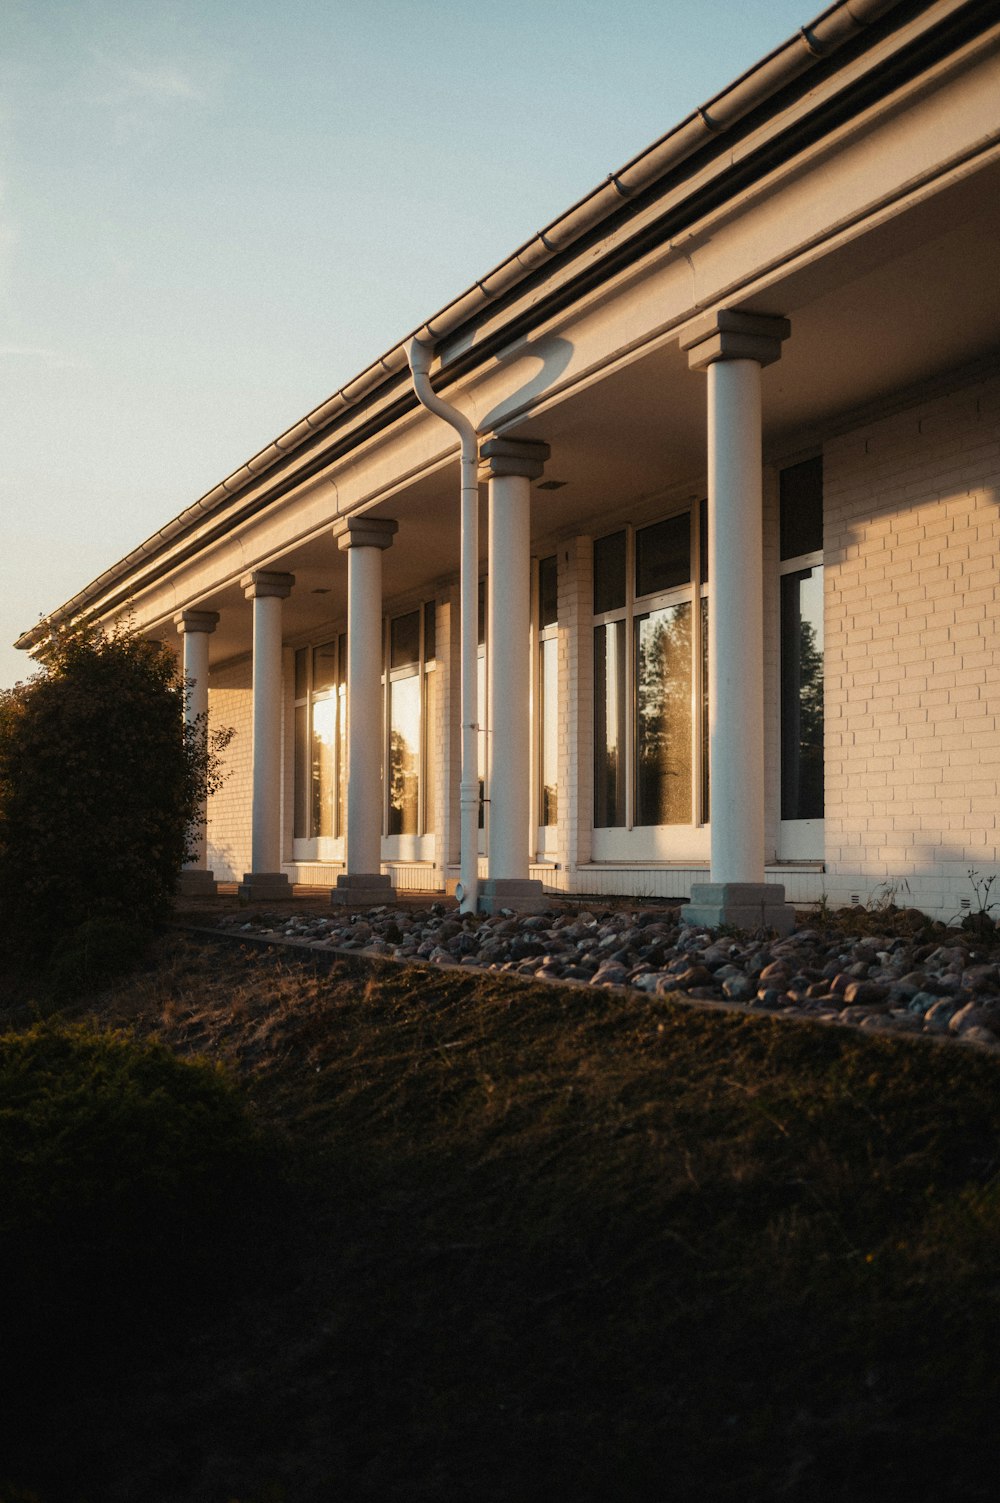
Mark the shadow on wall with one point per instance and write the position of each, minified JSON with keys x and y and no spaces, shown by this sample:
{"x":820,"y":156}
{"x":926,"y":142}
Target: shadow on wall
{"x":948,"y":882}
{"x":225,"y":862}
{"x":553,"y":355}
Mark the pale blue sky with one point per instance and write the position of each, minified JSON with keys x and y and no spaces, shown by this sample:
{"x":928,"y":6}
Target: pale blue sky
{"x":213,"y":214}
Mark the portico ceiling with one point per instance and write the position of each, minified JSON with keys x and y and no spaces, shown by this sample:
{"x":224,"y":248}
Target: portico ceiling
{"x":917,"y":297}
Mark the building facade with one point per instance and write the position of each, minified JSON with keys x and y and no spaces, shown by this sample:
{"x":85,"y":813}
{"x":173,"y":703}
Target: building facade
{"x":721,"y":597}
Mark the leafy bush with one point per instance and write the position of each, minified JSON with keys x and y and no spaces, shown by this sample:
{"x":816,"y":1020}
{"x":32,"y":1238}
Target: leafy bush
{"x":100,"y":786}
{"x":95,"y":953}
{"x":103,"y":1139}
{"x":125,"y":1178}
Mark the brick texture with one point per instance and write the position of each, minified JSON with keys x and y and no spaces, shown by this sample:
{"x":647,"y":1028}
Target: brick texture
{"x":912,"y":526}
{"x":230,"y":703}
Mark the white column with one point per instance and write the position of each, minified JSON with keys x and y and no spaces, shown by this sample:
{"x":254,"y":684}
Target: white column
{"x":732,"y":347}
{"x":266,"y":589}
{"x":364,"y":539}
{"x":195,"y":627}
{"x":510,"y":465}
{"x":735,"y":621}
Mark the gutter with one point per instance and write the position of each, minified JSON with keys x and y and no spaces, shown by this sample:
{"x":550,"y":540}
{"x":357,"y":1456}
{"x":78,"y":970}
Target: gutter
{"x":420,"y":356}
{"x":813,"y":43}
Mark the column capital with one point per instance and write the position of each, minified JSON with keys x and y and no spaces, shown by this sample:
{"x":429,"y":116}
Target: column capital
{"x":260,"y":583}
{"x":512,"y":456}
{"x":205,"y":621}
{"x":364,"y":532}
{"x":728,"y":334}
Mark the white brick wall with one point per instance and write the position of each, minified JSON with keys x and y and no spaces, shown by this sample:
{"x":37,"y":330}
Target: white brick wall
{"x":230,"y":703}
{"x":912,"y":507}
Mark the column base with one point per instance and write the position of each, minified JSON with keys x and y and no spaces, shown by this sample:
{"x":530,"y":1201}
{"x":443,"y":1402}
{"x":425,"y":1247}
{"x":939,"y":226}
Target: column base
{"x":362,"y":890}
{"x":519,"y":894}
{"x":263,"y":887}
{"x":196,"y":882}
{"x":742,"y":905}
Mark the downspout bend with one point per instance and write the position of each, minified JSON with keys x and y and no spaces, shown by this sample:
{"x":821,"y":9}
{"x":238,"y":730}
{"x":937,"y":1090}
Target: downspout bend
{"x":420,"y":357}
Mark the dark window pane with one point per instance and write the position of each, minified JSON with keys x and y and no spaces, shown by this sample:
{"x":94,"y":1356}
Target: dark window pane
{"x":703,"y":541}
{"x":404,"y":640}
{"x":342,"y":639}
{"x":609,"y":573}
{"x":663,"y":555}
{"x":430,"y":630}
{"x":802,"y":695}
{"x":663,"y":666}
{"x":609,"y":724}
{"x":548,"y":591}
{"x":801,"y":508}
{"x":324,"y":668}
{"x":302,"y":673}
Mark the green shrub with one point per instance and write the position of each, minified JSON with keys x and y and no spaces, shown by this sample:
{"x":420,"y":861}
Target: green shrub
{"x":125,"y":1177}
{"x":128,"y":1177}
{"x":104,"y":1138}
{"x":101,"y":785}
{"x":95,"y":953}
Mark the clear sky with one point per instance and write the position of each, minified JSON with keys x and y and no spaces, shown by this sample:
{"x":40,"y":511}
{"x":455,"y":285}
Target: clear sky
{"x":214,"y":213}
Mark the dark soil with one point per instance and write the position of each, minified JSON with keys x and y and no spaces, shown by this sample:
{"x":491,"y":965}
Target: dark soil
{"x":533,"y":1243}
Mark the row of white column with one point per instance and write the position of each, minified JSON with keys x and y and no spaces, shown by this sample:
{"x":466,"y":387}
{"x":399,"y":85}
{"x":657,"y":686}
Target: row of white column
{"x":731,"y":347}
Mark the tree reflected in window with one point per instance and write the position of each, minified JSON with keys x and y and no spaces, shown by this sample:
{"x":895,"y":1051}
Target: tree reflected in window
{"x":663,"y":716}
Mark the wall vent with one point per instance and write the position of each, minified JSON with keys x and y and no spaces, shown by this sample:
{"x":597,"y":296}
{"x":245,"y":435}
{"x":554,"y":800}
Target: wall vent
{"x":855,"y":899}
{"x":965,"y":904}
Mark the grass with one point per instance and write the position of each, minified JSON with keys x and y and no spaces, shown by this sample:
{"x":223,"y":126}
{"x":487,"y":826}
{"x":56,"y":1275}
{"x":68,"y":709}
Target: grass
{"x":562,"y":1243}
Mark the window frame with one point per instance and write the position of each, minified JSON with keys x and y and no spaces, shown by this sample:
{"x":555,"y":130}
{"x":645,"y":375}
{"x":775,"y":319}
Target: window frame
{"x":546,"y":837}
{"x":630,"y":840}
{"x":312,"y":845}
{"x":415,"y":845}
{"x":798,"y":839}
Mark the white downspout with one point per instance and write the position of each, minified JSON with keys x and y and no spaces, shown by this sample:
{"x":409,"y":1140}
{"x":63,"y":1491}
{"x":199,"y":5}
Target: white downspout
{"x":420,"y":356}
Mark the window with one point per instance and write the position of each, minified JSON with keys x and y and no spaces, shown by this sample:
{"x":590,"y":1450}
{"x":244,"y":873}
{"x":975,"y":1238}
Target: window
{"x":481,"y":703}
{"x":320,"y":738}
{"x":404,"y":725}
{"x":320,"y":731}
{"x":410,"y":720}
{"x":548,"y":691}
{"x":650,"y":674}
{"x":801,"y":571}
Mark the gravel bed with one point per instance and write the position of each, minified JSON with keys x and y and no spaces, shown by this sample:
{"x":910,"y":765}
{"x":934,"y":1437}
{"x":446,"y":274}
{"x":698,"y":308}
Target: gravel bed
{"x":947,"y":988}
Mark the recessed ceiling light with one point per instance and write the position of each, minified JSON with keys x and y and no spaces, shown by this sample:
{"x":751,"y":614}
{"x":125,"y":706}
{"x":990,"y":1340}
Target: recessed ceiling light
{"x":551,"y":485}
{"x":321,"y":590}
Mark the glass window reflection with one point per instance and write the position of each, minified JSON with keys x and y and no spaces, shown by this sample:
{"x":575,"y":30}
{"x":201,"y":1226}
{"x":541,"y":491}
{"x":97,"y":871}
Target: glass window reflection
{"x":404,"y":756}
{"x":609,"y":724}
{"x":663,"y":716}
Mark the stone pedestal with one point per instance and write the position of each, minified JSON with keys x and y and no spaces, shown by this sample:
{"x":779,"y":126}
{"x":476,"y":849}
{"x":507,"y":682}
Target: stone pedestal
{"x":362,"y":890}
{"x":742,"y":905}
{"x":196,"y":882}
{"x":264,"y":887}
{"x":520,"y":895}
